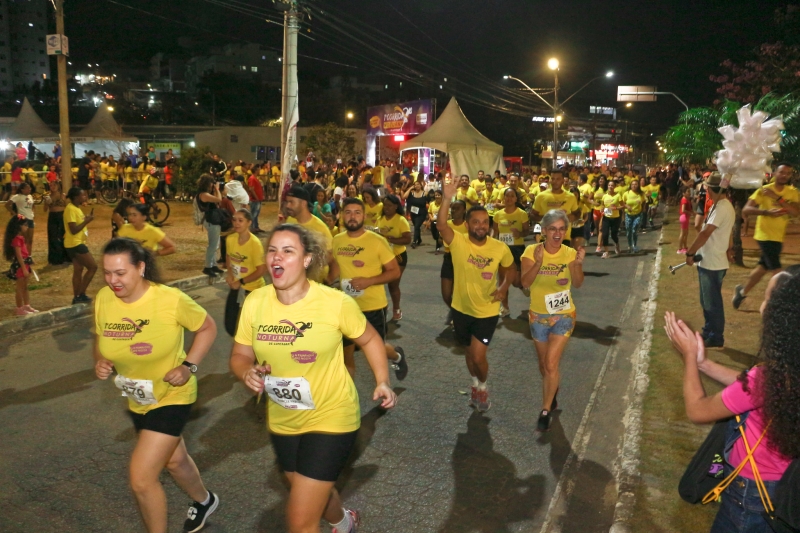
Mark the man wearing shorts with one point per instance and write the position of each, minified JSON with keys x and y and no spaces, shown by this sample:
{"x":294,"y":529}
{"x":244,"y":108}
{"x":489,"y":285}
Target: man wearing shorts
{"x":482,"y":275}
{"x":364,"y":262}
{"x":773,"y":204}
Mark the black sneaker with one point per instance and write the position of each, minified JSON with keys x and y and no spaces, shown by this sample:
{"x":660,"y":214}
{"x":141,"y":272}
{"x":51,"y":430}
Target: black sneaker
{"x":738,"y":296}
{"x":217,"y":270}
{"x":712,"y":343}
{"x":198,"y":513}
{"x":81,"y":299}
{"x":400,"y":367}
{"x":208,"y":271}
{"x":544,"y":421}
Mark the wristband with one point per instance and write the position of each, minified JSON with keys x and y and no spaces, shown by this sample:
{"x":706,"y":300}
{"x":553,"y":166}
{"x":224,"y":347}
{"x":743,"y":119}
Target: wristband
{"x":689,"y":255}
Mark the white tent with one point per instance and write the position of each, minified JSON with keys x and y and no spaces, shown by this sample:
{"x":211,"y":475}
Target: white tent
{"x":103,"y":135}
{"x":469,"y":151}
{"x":29,"y":126}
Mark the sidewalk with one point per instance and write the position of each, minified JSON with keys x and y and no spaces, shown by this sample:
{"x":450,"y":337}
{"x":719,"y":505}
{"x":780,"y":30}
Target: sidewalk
{"x":668,"y":439}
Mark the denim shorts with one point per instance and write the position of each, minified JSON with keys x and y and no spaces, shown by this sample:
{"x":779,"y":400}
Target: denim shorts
{"x":542,"y":326}
{"x":741,"y":510}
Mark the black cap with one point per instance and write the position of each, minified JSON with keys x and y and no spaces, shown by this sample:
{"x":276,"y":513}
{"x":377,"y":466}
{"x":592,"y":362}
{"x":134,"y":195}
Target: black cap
{"x":299,"y":192}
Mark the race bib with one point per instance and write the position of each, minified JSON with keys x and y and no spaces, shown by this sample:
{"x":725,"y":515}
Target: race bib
{"x":138,"y":390}
{"x":537,"y":228}
{"x":371,"y":228}
{"x":289,"y":393}
{"x":414,"y":210}
{"x":507,"y":238}
{"x":608,"y":212}
{"x":348,"y":289}
{"x":557,"y":302}
{"x":237,"y":270}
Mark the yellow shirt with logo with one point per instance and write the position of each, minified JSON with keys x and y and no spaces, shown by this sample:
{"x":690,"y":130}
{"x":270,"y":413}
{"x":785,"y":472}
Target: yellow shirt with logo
{"x":144,"y":339}
{"x":608,"y":201}
{"x":547,"y":200}
{"x":553,"y":277}
{"x":773,"y":228}
{"x":634,"y":201}
{"x":508,"y":221}
{"x":363,"y":257}
{"x":149,"y":236}
{"x":245,"y":259}
{"x":304,"y":339}
{"x":470,"y":196}
{"x":74,"y":214}
{"x":652,"y":192}
{"x":394,"y":228}
{"x":458,"y":228}
{"x":478,"y":185}
{"x":476,"y":274}
{"x":372,"y":214}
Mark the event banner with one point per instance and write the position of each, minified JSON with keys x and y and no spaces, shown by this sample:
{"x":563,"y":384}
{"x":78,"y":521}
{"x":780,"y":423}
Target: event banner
{"x":402,"y":118}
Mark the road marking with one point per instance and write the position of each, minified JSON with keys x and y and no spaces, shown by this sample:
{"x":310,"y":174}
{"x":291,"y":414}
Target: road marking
{"x":565,"y":482}
{"x":627,"y":470}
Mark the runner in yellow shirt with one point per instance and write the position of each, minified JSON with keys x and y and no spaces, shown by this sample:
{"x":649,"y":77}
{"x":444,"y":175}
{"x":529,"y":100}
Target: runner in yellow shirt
{"x":612,"y":205}
{"x":430,"y":223}
{"x":555,"y":197}
{"x":550,"y":269}
{"x":244,"y":260}
{"x":458,"y":224}
{"x":75,"y":236}
{"x":479,"y":183}
{"x":511,"y":226}
{"x":653,"y":193}
{"x":467,"y":194}
{"x":584,"y":194}
{"x":633,"y":201}
{"x":147,"y":235}
{"x":364,"y":262}
{"x":395,"y":228}
{"x":373,"y":208}
{"x":139,"y":330}
{"x":297,"y":207}
{"x":773,"y":204}
{"x":482,"y":275}
{"x":289,"y":345}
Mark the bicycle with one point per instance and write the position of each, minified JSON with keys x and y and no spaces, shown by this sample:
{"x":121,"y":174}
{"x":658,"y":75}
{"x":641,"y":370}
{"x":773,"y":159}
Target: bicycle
{"x":158,"y":211}
{"x":109,"y":190}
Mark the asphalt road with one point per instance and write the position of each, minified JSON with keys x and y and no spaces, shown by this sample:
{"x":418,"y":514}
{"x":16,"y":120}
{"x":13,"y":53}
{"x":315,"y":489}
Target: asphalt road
{"x":430,"y":465}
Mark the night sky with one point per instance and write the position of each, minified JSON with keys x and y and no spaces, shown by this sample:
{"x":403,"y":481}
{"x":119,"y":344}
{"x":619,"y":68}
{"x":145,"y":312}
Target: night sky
{"x":674,"y":45}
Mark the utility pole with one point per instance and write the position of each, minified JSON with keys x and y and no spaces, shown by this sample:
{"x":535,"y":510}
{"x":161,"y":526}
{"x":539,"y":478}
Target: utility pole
{"x":555,"y":120}
{"x":289,"y":89}
{"x":63,"y":104}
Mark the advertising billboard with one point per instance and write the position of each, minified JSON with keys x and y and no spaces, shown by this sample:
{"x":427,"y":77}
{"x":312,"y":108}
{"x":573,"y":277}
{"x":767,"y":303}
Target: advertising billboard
{"x":402,"y":118}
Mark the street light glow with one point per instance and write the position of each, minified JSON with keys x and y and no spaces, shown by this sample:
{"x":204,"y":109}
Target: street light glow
{"x":110,"y":108}
{"x":559,"y":117}
{"x":553,"y":63}
{"x":349,"y":115}
{"x":610,"y":74}
{"x":505,"y":77}
{"x":629,"y":104}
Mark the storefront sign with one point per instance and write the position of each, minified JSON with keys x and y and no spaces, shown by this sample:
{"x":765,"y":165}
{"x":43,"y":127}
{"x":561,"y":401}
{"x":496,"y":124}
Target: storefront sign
{"x":402,"y":118}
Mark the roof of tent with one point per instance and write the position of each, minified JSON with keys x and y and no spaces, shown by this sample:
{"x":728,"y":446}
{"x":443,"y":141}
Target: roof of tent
{"x":103,"y":127}
{"x":29,"y":126}
{"x":452,"y":131}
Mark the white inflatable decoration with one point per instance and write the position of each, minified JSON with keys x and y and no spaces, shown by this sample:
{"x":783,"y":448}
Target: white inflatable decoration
{"x":748,"y":149}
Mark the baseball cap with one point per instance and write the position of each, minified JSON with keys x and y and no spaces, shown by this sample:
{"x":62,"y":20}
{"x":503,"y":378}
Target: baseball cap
{"x":299,"y":192}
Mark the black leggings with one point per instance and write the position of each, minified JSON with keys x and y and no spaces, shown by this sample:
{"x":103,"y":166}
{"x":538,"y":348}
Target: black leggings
{"x":435,"y":234}
{"x":418,"y":221}
{"x":611,"y":225}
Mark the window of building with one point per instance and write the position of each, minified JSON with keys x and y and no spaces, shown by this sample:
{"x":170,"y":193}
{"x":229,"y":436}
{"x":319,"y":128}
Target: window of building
{"x":253,"y":69}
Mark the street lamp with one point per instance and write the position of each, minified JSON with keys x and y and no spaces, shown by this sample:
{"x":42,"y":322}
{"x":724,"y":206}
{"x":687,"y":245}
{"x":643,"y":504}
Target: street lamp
{"x":347,"y":118}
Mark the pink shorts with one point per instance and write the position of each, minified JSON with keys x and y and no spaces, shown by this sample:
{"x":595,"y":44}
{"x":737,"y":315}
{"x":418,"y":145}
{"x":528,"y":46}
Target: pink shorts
{"x":684,"y":221}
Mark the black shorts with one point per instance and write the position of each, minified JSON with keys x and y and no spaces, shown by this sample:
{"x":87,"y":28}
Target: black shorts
{"x":29,"y":222}
{"x":169,"y":419}
{"x":402,"y":259}
{"x":770,"y":254}
{"x":320,"y":456}
{"x":377,"y":319}
{"x":516,"y":252}
{"x":447,"y":267}
{"x":467,"y":326}
{"x":73,"y":253}
{"x":576,"y":233}
{"x":7,"y":187}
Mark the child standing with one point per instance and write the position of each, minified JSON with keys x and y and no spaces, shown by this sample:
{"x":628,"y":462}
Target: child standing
{"x":15,"y":250}
{"x":686,"y":213}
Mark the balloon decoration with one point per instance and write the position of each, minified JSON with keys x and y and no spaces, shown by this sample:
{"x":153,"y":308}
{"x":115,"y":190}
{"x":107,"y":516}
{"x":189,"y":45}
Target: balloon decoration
{"x":748,"y":149}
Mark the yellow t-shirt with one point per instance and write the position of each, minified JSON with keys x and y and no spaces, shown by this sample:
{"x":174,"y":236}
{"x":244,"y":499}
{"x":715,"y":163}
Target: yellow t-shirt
{"x":586,"y":193}
{"x":521,"y":195}
{"x":377,"y":175}
{"x":590,"y":178}
{"x":598,"y":198}
{"x":103,"y":171}
{"x":634,"y":201}
{"x":6,"y":170}
{"x":608,"y":201}
{"x":363,"y":257}
{"x":490,"y":200}
{"x":505,"y":222}
{"x":553,"y":277}
{"x":144,"y":339}
{"x":245,"y":259}
{"x":372,"y":214}
{"x":772,"y":228}
{"x":470,"y":196}
{"x":394,"y":228}
{"x":149,"y":236}
{"x":276,"y":174}
{"x":317,"y":226}
{"x":458,"y":228}
{"x":547,"y":200}
{"x":652,"y":192}
{"x":304,"y":340}
{"x":149,"y":184}
{"x":111,"y":173}
{"x":433,"y":211}
{"x":73,"y":213}
{"x":478,"y":185}
{"x":628,"y":180}
{"x":140,"y":171}
{"x":621,"y":190}
{"x":475,"y":269}
{"x":129,"y":174}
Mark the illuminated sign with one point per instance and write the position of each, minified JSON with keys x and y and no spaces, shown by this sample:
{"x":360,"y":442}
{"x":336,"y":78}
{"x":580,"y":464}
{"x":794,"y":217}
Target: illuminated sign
{"x":618,"y":148}
{"x":399,"y":138}
{"x":543,"y":119}
{"x":401,"y":118}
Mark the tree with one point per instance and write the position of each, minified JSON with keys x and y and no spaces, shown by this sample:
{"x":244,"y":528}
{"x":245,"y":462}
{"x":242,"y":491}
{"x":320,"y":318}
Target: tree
{"x":775,"y":67}
{"x":330,"y":142}
{"x":192,"y":165}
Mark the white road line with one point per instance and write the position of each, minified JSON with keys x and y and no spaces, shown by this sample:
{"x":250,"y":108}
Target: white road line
{"x":565,"y":482}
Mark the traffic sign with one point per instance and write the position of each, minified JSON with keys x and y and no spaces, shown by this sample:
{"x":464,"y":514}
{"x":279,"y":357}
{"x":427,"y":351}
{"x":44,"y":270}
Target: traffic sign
{"x":636,"y":93}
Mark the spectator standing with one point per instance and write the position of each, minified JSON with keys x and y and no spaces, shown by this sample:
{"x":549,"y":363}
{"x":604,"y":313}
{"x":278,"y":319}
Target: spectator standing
{"x":256,"y":193}
{"x":21,"y":152}
{"x":22,"y":204}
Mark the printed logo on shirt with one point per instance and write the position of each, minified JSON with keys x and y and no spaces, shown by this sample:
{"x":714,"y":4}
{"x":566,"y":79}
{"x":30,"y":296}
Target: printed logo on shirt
{"x":552,"y":269}
{"x":304,"y":357}
{"x":141,"y":348}
{"x":480,"y":261}
{"x":238,"y":257}
{"x":284,"y":332}
{"x":349,"y":250}
{"x":126,"y":329}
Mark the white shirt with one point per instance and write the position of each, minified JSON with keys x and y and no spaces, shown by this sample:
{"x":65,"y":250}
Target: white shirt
{"x":24,"y":205}
{"x":715,"y":250}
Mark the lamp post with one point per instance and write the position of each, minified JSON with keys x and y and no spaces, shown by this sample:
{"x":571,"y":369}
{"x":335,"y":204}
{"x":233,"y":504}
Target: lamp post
{"x":347,"y":118}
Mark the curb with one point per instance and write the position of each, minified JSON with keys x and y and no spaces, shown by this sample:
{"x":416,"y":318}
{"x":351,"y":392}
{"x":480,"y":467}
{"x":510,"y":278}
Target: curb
{"x":61,"y":315}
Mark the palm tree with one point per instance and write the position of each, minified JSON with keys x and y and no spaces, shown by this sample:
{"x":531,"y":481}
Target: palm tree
{"x":695,"y":139}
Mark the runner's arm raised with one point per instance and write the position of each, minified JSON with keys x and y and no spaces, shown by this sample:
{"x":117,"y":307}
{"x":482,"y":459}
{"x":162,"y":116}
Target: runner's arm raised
{"x":448,"y":191}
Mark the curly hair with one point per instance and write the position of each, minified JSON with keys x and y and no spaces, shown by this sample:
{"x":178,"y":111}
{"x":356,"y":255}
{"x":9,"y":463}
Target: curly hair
{"x":780,"y":382}
{"x":312,"y":245}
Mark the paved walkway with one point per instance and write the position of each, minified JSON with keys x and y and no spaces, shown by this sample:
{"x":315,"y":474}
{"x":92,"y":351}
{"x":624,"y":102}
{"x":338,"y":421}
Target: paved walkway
{"x":430,"y":465}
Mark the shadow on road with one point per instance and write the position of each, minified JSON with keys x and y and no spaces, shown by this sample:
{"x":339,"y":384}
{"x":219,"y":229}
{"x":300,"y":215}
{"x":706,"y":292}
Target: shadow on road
{"x":212,"y":386}
{"x":596,"y":274}
{"x":586,"y":330}
{"x":489,"y":496}
{"x":69,"y":384}
{"x":73,"y":338}
{"x":238,"y":431}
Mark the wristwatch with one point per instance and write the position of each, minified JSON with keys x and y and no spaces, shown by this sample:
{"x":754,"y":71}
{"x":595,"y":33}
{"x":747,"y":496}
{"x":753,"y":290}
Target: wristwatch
{"x":191,"y":366}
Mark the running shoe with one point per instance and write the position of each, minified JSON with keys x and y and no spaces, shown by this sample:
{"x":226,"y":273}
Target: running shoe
{"x":636,"y":249}
{"x":738,"y":296}
{"x":208,"y":271}
{"x":482,"y":397}
{"x":598,"y":250}
{"x":616,"y":249}
{"x":21,"y":311}
{"x":710,"y":343}
{"x":545,"y":418}
{"x":473,"y":397}
{"x":682,"y":251}
{"x":217,"y":270}
{"x":355,"y":519}
{"x":504,"y":311}
{"x":199,"y":513}
{"x":398,"y":315}
{"x":400,"y":367}
{"x":30,"y":309}
{"x":81,"y":299}
{"x":605,"y":255}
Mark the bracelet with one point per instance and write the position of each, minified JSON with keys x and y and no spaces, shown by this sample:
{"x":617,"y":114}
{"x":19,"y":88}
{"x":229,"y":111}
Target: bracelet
{"x":689,"y":255}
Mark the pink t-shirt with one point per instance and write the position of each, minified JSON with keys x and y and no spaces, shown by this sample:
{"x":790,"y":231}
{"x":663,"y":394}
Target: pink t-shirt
{"x":771,"y":463}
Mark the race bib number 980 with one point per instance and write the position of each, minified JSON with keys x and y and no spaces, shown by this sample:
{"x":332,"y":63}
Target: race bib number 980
{"x":290,"y":393}
{"x":557,"y":302}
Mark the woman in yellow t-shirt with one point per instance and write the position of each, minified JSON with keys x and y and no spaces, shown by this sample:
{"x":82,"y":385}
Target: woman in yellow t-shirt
{"x":245,"y":263}
{"x":75,"y":236}
{"x":394,"y":226}
{"x":634,"y":201}
{"x":511,"y":225}
{"x":373,"y":208}
{"x":600,"y":189}
{"x":146,"y":234}
{"x":136,"y":316}
{"x":550,"y":269}
{"x":430,"y":223}
{"x":611,"y":205}
{"x":313,"y":407}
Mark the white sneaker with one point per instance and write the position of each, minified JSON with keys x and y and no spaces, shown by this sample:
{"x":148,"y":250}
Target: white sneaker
{"x":504,"y":311}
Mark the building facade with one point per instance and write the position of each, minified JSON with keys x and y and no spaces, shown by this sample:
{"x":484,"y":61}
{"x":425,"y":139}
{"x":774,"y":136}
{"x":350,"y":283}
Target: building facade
{"x":23,"y":52}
